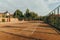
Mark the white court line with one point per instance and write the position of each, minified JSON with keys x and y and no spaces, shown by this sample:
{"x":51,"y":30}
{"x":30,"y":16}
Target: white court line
{"x":34,"y":30}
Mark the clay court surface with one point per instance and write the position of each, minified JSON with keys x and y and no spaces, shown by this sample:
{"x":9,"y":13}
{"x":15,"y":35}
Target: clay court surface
{"x":24,"y":30}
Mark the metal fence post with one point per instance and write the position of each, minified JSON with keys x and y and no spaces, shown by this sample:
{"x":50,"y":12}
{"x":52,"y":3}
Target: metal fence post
{"x":58,"y":16}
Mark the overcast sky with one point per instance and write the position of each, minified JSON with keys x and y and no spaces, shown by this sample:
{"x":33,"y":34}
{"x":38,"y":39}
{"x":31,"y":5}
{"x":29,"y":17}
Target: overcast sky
{"x":42,"y":7}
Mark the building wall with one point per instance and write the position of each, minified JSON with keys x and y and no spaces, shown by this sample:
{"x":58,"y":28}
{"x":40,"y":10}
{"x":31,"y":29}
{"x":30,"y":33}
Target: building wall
{"x":3,"y":18}
{"x":11,"y":19}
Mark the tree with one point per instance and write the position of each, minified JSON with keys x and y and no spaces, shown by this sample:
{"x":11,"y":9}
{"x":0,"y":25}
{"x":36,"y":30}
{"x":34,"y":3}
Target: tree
{"x":33,"y":15}
{"x":18,"y":14}
{"x":30,"y":15}
{"x":27,"y":14}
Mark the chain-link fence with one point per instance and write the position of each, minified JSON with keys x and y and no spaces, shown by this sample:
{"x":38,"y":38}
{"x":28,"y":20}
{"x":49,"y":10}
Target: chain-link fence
{"x":53,"y":18}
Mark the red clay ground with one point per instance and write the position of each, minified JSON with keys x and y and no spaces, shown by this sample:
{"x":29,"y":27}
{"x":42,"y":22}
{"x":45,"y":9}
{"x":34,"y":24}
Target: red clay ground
{"x":33,"y":30}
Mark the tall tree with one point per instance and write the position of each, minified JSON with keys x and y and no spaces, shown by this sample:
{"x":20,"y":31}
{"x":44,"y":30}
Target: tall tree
{"x":33,"y":15}
{"x":27,"y":14}
{"x":30,"y":15}
{"x":18,"y":14}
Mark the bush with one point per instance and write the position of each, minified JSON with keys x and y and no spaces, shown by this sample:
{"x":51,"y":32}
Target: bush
{"x":3,"y":20}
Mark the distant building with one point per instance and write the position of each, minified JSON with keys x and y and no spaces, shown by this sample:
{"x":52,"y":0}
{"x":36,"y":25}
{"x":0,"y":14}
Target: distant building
{"x":7,"y":17}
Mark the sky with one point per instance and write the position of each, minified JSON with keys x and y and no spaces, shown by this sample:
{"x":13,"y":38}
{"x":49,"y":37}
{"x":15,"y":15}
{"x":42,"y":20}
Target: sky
{"x":41,"y":7}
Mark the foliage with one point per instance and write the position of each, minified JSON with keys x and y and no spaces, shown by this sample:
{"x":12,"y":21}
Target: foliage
{"x":30,"y":15}
{"x":18,"y":14}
